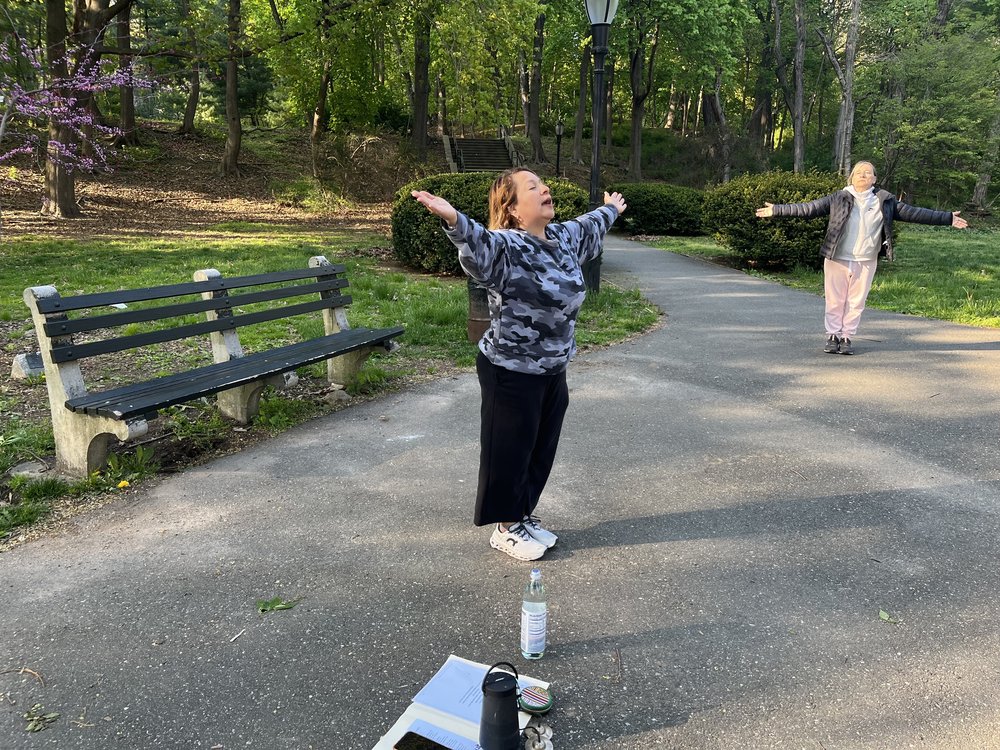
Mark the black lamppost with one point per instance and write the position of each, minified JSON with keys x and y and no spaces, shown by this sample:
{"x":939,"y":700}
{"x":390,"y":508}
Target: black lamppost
{"x":559,"y":133}
{"x":601,"y":14}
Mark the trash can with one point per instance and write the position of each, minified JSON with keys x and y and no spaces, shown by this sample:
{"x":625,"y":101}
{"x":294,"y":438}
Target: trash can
{"x":479,"y":312}
{"x":592,"y":274}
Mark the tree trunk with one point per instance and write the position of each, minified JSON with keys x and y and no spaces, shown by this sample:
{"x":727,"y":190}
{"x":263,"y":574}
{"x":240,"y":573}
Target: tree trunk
{"x":321,"y":115}
{"x":442,"y":98}
{"x":941,"y":17}
{"x":843,"y":136}
{"x":194,"y":77}
{"x":534,"y":92}
{"x":671,"y":107}
{"x":641,"y":82}
{"x":130,"y":133}
{"x":798,"y":121}
{"x":234,"y":134}
{"x":760,"y":125}
{"x":715,"y":123}
{"x":60,"y":183}
{"x":581,"y":105}
{"x":421,"y":78}
{"x":523,"y":81}
{"x":988,"y":164}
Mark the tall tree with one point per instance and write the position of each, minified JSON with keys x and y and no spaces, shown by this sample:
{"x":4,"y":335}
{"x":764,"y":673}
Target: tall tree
{"x":533,"y":122}
{"x":793,"y":93}
{"x":194,"y":77}
{"x":60,"y":179}
{"x":643,"y":39}
{"x":843,"y":135}
{"x":421,"y":77}
{"x":581,"y":104}
{"x":126,"y":92}
{"x":234,"y":126}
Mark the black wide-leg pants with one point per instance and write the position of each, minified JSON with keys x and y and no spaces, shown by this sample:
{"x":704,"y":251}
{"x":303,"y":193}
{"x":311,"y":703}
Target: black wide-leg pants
{"x":522,"y":417}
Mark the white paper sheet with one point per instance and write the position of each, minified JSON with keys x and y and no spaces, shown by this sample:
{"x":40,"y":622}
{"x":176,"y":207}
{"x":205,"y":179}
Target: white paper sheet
{"x":449,"y":693}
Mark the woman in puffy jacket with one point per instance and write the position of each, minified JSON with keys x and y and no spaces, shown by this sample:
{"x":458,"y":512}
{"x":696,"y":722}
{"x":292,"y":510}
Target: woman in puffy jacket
{"x":858,"y":233}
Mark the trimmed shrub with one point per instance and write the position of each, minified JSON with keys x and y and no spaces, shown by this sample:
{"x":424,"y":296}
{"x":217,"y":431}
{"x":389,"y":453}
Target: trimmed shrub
{"x":728,"y":212}
{"x":658,"y":208}
{"x":417,"y":238}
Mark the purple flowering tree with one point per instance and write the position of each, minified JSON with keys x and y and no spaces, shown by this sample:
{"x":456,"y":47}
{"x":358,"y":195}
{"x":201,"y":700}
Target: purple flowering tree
{"x":71,"y":78}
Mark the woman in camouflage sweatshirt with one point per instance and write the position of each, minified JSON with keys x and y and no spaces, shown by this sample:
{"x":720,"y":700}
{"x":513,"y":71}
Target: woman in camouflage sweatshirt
{"x":531,"y":269}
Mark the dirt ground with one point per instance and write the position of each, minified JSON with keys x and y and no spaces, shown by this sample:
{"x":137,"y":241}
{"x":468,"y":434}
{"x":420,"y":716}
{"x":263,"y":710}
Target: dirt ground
{"x":172,"y":185}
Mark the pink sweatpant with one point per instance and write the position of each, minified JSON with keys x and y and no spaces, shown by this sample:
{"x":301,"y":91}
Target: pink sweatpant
{"x":846,"y":284}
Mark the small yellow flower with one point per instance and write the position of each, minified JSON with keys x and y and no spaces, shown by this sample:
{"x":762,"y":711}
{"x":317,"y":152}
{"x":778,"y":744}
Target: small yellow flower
{"x":123,"y":484}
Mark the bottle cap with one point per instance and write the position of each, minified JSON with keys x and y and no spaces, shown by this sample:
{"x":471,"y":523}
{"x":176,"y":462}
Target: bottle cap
{"x":535,"y":699}
{"x":536,"y":574}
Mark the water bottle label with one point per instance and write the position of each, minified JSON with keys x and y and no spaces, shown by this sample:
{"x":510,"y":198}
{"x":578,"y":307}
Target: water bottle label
{"x":533,"y":631}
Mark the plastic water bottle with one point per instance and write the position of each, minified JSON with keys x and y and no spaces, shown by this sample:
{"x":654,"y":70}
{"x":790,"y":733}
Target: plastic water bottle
{"x":534,"y":618}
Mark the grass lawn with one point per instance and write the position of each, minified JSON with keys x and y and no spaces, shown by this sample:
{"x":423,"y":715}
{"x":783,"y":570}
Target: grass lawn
{"x":433,"y":310}
{"x":938,"y":273}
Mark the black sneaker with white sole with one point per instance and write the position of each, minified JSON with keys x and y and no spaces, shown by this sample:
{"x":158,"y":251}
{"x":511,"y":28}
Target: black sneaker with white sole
{"x":846,"y":347}
{"x":832,"y":345}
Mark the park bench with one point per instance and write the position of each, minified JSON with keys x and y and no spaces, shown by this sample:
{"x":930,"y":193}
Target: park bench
{"x":83,"y":421}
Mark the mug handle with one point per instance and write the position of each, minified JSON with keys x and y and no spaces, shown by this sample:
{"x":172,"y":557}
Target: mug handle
{"x":513,"y":669}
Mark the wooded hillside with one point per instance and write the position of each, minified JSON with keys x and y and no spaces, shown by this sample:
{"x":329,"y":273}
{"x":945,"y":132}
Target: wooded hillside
{"x":913,"y":85}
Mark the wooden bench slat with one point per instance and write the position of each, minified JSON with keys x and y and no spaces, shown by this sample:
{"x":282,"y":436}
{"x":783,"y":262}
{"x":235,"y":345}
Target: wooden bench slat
{"x":146,"y":398}
{"x":112,"y":320}
{"x":103,"y":299}
{"x":71,"y":352}
{"x":220,"y":369}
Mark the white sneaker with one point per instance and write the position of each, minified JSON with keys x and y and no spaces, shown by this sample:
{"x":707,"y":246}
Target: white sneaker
{"x":539,"y":534}
{"x":517,"y":542}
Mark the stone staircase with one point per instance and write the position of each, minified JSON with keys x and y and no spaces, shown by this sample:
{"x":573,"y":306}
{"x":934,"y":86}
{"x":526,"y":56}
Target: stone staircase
{"x":478,"y":154}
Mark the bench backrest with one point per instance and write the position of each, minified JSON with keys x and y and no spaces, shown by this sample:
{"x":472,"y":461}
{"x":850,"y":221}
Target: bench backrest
{"x":323,"y":283}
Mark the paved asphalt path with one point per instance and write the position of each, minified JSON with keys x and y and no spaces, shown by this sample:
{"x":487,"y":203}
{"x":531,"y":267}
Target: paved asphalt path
{"x":735,"y":508}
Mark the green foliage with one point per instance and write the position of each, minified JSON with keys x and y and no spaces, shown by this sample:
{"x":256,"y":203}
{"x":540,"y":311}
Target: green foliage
{"x":728,"y":211}
{"x":613,"y":315}
{"x":369,"y":379}
{"x":276,"y":604}
{"x":656,"y":208}
{"x":131,"y":467}
{"x":417,"y":238}
{"x":199,"y":434}
{"x":277,"y":414}
{"x":39,"y":490}
{"x":938,"y":273}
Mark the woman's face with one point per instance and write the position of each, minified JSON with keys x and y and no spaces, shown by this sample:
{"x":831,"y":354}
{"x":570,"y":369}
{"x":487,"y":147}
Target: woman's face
{"x":533,"y":208}
{"x":863,"y":177}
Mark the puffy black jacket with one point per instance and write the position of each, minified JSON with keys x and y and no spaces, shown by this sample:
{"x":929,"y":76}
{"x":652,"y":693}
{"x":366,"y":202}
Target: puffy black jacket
{"x":838,"y":205}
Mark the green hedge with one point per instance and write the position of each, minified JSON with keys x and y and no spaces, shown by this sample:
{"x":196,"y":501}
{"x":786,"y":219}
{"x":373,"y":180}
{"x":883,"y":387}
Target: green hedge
{"x":729,"y":209}
{"x":417,"y":238}
{"x":658,"y":208}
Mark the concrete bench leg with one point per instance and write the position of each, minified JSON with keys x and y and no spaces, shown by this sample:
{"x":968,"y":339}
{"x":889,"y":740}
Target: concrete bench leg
{"x":343,"y":369}
{"x":242,"y":404}
{"x":82,"y":440}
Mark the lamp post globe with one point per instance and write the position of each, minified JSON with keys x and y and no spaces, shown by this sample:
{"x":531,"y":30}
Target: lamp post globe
{"x":601,"y":13}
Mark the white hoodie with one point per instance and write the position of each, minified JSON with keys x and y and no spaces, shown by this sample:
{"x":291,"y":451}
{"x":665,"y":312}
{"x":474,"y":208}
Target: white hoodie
{"x":862,"y":237}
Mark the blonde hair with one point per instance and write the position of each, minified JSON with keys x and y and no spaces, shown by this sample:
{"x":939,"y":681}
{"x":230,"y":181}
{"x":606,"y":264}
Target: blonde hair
{"x":856,"y":167}
{"x":503,"y":198}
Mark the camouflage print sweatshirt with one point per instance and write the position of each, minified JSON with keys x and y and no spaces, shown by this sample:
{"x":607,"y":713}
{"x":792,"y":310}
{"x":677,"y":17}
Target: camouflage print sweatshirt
{"x":535,"y":286}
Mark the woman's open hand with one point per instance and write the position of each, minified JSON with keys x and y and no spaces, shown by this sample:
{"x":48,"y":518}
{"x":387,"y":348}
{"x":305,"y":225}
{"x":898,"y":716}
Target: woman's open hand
{"x":957,"y":221}
{"x":768,"y":210}
{"x":437,"y":206}
{"x":616,"y":200}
